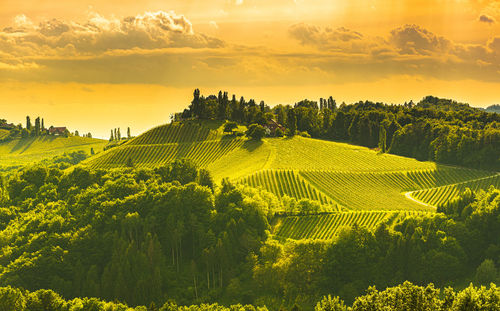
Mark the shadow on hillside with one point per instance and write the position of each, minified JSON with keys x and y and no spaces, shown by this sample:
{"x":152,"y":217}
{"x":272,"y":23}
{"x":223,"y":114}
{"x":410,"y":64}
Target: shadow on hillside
{"x":25,"y":143}
{"x":251,"y":145}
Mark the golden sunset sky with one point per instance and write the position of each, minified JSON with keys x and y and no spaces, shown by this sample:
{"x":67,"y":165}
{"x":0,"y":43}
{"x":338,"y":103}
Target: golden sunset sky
{"x":95,"y":65}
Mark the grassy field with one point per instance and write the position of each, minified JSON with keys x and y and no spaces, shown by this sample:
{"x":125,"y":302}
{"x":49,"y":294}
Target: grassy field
{"x":19,"y":152}
{"x":353,"y":177}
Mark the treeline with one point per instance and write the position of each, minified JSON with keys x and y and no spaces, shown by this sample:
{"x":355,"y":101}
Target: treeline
{"x":35,"y":130}
{"x":149,"y":235}
{"x":403,"y":297}
{"x":434,"y":129}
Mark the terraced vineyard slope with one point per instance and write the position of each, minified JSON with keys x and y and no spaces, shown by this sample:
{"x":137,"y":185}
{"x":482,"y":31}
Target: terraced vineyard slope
{"x":166,"y":143}
{"x":440,"y":195}
{"x":353,"y":177}
{"x":384,"y":190}
{"x":4,"y":133}
{"x":286,"y":182}
{"x":327,"y":226}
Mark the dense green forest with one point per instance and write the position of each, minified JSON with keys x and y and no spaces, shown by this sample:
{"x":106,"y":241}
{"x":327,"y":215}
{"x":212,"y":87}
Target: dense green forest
{"x":152,"y":235}
{"x":435,"y":129}
{"x":403,"y":297}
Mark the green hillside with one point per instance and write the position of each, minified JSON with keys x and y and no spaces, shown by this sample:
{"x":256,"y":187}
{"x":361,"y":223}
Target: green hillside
{"x":4,"y":133}
{"x":19,"y":152}
{"x":327,"y":226}
{"x":440,"y":195}
{"x":332,"y":173}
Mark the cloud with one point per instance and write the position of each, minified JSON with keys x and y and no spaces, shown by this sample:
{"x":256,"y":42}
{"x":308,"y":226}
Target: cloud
{"x":314,"y":35}
{"x":486,"y":19}
{"x":151,"y":30}
{"x":409,"y":49}
{"x":213,"y":24}
{"x":412,"y":39}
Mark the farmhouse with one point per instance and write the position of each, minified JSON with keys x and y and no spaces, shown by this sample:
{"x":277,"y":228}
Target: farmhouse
{"x":272,"y":126}
{"x":57,"y":130}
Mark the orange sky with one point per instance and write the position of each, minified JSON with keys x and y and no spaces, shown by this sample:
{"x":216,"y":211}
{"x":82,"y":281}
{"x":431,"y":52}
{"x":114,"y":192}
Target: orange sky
{"x":94,"y":65}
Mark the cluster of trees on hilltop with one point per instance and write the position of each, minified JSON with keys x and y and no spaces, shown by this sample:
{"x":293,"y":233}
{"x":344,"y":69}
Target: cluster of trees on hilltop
{"x":434,"y":129}
{"x":35,"y":129}
{"x":403,"y":297}
{"x":149,"y":235}
{"x":117,"y":136}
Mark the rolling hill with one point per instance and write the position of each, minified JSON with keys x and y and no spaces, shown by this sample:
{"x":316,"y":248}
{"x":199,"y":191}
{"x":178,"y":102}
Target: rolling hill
{"x":19,"y":152}
{"x":353,"y":178}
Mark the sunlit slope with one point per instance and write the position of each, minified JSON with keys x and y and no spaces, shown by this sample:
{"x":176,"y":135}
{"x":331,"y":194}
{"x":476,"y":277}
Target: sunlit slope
{"x":440,"y":195}
{"x":353,"y":177}
{"x":286,"y":183}
{"x":384,"y":190}
{"x":23,"y":151}
{"x":166,"y":143}
{"x":315,"y":154}
{"x":327,"y":226}
{"x":4,"y":133}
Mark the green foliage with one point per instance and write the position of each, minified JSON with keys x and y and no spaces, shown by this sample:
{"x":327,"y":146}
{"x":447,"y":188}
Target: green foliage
{"x":255,"y":132}
{"x":330,"y":304}
{"x":131,"y":235}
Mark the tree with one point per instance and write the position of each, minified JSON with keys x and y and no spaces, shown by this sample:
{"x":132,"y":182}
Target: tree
{"x":111,"y":138}
{"x":129,"y":163}
{"x":128,"y":133}
{"x":256,"y":132}
{"x":230,"y":126}
{"x":92,"y":152}
{"x":291,"y":122}
{"x":486,"y":272}
{"x":330,"y":304}
{"x":37,"y":126}
{"x":77,"y":134}
{"x":382,"y":141}
{"x":28,"y":123}
{"x":119,"y":135}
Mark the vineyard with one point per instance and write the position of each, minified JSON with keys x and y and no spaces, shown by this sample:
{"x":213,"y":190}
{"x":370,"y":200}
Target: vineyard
{"x":301,"y":153}
{"x":440,"y":195}
{"x":176,"y":133}
{"x":202,"y":153}
{"x":4,"y":133}
{"x":285,"y":182}
{"x":383,"y":190}
{"x":327,"y":226}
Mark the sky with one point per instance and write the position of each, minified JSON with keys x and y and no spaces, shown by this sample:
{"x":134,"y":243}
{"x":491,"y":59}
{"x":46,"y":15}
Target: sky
{"x":95,"y":65}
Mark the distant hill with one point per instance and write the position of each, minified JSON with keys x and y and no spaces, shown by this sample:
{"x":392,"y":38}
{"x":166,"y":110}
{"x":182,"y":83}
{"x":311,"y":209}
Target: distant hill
{"x":346,"y":176}
{"x":493,"y":108}
{"x":22,"y":151}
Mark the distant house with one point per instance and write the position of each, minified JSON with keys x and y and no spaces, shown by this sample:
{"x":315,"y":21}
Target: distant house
{"x":7,"y":126}
{"x":57,"y":130}
{"x":272,"y":126}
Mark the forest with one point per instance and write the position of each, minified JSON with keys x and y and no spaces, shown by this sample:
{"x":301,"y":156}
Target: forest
{"x":145,"y":237}
{"x":434,"y":129}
